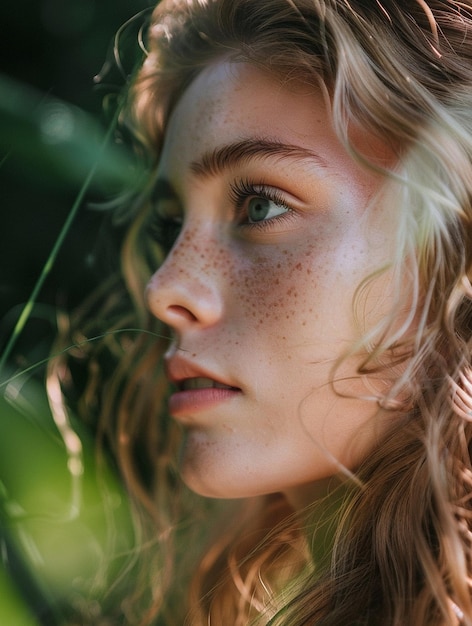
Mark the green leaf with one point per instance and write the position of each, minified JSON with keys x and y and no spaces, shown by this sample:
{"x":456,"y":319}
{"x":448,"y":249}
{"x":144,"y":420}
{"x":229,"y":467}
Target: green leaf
{"x":57,"y":141}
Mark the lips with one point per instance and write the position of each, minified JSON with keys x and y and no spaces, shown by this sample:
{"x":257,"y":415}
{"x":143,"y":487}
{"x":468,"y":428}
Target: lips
{"x":198,"y":390}
{"x":201,"y":382}
{"x":187,"y":375}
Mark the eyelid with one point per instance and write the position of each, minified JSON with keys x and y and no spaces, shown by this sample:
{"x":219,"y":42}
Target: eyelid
{"x":243,"y":190}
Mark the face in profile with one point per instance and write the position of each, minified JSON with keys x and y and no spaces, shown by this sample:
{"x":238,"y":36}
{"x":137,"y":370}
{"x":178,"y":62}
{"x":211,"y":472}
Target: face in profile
{"x":276,"y":227}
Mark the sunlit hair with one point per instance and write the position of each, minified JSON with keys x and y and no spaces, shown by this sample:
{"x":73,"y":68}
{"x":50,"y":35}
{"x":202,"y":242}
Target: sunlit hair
{"x":401,"y":530}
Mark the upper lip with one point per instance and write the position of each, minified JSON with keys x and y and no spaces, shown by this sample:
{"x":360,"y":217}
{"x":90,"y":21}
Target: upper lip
{"x":179,"y":369}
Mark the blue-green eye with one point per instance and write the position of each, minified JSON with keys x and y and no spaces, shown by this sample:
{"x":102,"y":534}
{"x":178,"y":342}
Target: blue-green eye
{"x":257,"y":204}
{"x":260,"y":209}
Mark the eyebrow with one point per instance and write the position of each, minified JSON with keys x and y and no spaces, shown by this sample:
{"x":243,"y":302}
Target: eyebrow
{"x":214,"y":162}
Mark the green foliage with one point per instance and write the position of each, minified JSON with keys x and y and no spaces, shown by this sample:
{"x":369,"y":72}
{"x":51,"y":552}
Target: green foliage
{"x":12,"y":609}
{"x":66,"y":535}
{"x":57,"y":141}
{"x":63,"y":140}
{"x":65,"y":526}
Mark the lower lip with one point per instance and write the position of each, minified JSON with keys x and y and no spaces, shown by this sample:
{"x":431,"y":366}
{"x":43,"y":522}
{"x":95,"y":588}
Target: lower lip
{"x":187,"y":402}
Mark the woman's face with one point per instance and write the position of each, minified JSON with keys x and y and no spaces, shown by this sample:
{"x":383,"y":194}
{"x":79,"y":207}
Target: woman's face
{"x":279,"y":227}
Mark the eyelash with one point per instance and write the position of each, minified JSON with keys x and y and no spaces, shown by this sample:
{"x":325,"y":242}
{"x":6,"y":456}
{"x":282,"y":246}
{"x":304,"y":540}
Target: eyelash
{"x":164,"y":231}
{"x":242,"y":189}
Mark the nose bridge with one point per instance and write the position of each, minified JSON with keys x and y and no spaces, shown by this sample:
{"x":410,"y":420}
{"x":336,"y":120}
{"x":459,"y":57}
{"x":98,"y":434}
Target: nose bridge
{"x":186,"y":288}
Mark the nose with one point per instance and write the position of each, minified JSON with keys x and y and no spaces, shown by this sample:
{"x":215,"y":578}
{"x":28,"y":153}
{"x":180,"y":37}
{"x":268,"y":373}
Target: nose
{"x":185,"y":292}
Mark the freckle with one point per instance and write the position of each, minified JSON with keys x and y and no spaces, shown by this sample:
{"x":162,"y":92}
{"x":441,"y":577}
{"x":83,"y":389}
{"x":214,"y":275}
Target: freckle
{"x":194,"y":354}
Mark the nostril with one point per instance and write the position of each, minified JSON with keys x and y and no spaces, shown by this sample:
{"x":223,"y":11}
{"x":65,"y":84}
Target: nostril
{"x":183,"y":302}
{"x":180,"y":312}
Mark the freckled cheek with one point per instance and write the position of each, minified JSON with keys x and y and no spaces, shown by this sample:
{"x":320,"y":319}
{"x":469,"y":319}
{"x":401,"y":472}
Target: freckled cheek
{"x":277,"y":289}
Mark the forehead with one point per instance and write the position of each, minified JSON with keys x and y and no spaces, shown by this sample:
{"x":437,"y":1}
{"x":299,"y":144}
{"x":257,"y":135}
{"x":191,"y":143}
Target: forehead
{"x":230,"y":101}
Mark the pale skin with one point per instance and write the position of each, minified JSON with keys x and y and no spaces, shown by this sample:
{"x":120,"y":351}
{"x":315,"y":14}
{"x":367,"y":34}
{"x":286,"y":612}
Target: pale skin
{"x":266,"y":308}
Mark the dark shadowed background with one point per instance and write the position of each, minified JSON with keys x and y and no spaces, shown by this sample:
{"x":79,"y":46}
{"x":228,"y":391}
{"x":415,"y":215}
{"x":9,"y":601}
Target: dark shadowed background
{"x":57,"y":47}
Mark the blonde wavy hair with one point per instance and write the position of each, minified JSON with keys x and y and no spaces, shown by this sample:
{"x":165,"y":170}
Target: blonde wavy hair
{"x":398,"y":537}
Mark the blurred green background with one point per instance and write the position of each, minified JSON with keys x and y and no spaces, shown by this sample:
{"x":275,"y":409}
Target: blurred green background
{"x":57,"y":47}
{"x":56,"y":528}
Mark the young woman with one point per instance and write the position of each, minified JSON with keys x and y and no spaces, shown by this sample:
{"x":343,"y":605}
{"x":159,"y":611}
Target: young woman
{"x":304,"y":250}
